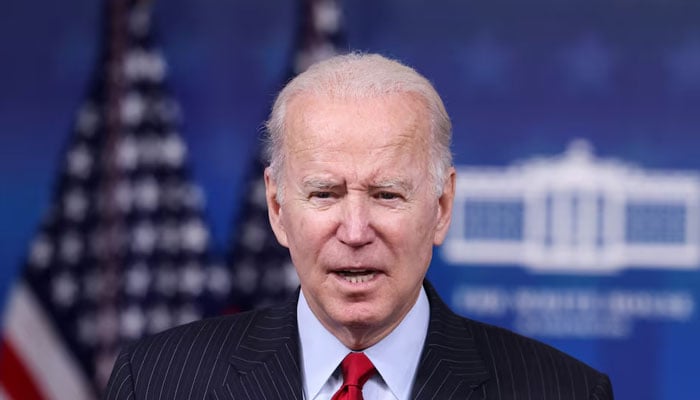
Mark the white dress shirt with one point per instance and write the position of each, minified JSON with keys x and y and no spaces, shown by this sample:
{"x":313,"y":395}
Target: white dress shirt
{"x":395,"y":357}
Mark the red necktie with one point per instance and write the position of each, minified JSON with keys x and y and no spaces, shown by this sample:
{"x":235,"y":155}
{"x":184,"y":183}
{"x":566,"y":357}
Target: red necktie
{"x":357,"y":369}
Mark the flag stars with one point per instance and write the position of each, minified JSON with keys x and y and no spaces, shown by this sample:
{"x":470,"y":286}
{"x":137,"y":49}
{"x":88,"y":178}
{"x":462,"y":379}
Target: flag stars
{"x":143,"y":238}
{"x":79,"y":162}
{"x":123,"y":252}
{"x":137,"y":280}
{"x":41,"y":252}
{"x":127,"y":154}
{"x":133,"y":322}
{"x":64,"y":290}
{"x":173,"y":151}
{"x":71,"y":247}
{"x":75,"y":205}
{"x":194,"y":236}
{"x":146,"y":194}
{"x":219,"y":280}
{"x":150,"y":151}
{"x":326,"y":16}
{"x":133,"y":109}
{"x":192,"y":279}
{"x":142,"y":65}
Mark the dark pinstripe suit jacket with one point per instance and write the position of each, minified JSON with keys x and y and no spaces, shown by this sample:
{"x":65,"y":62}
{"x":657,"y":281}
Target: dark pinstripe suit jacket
{"x":256,"y":356}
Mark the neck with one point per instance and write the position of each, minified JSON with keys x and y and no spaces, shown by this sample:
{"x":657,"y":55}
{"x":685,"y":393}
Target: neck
{"x":360,"y":335}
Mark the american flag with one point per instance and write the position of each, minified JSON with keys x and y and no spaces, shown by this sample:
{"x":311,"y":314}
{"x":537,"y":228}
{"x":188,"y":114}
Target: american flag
{"x":123,"y":250}
{"x":263,"y":272}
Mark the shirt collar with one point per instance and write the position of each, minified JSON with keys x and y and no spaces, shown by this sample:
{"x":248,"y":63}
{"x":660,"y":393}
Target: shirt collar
{"x":321,"y":352}
{"x":395,"y":357}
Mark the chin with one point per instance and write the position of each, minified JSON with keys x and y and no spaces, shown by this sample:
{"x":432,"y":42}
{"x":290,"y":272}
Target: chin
{"x":359,"y":319}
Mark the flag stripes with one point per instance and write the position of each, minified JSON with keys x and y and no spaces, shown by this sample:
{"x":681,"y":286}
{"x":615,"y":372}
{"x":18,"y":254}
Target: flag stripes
{"x":124,"y":250}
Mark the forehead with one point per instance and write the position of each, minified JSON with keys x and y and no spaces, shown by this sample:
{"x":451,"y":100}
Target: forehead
{"x":371,"y":124}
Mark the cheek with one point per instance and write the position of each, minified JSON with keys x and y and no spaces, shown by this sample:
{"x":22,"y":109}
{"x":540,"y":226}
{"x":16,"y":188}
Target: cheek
{"x":309,"y":224}
{"x":422,"y":219}
{"x":416,"y":234}
{"x":306,"y":232}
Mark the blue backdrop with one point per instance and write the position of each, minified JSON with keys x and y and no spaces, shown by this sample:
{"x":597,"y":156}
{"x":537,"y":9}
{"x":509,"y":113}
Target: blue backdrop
{"x":522,"y":81}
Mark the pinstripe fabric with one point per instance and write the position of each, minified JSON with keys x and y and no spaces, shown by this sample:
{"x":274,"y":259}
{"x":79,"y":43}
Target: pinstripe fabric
{"x":465,"y":359}
{"x":256,"y":356}
{"x":246,"y":356}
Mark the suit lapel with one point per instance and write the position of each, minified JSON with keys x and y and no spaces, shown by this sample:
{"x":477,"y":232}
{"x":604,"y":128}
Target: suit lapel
{"x":451,"y":366}
{"x":265,"y":362}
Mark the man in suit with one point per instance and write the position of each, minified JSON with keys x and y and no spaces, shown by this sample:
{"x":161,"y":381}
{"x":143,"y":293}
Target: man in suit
{"x":360,"y":188}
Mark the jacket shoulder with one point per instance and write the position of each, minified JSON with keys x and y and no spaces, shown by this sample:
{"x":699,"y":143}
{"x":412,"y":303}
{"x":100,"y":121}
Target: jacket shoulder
{"x":181,"y":362}
{"x":216,"y":329}
{"x":516,"y":362}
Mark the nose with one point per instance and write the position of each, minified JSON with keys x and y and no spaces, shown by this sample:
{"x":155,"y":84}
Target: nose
{"x":355,"y":228}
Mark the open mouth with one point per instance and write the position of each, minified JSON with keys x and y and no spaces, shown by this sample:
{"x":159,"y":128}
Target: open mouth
{"x":357,"y":276}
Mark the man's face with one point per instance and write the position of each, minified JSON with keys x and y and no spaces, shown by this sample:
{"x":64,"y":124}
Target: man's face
{"x":359,"y":212}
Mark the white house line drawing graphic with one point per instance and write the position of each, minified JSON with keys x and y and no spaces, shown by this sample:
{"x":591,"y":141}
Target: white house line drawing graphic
{"x":575,"y":213}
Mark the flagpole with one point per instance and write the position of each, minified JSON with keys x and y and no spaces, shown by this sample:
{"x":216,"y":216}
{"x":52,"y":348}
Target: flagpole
{"x":109,"y":223}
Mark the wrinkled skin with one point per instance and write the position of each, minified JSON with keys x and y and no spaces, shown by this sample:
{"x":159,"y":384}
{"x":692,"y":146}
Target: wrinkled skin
{"x":358,"y":209}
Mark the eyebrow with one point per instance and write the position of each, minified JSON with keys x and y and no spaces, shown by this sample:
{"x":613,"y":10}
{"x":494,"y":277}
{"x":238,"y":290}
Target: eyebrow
{"x":393,"y":183}
{"x":320,"y":183}
{"x":327,"y":184}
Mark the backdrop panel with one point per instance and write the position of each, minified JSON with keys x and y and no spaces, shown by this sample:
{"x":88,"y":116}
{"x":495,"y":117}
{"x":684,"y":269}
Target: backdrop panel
{"x":576,"y":138}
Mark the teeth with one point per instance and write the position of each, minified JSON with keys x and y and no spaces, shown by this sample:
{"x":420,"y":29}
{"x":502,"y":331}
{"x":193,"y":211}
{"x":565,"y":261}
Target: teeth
{"x":358,"y":276}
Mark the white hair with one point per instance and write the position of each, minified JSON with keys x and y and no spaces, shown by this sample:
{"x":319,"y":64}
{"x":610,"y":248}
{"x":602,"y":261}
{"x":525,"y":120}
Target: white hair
{"x":358,"y":76}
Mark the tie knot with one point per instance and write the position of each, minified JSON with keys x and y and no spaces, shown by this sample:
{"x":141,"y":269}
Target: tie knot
{"x":357,"y":369}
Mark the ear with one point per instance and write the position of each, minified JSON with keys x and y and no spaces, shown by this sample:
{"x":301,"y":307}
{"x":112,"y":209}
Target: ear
{"x":274,"y":208}
{"x":445,"y":202}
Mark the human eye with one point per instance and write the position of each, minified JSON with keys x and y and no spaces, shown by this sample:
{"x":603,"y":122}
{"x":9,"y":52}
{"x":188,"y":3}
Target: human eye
{"x":387,"y":195}
{"x":321,"y":195}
